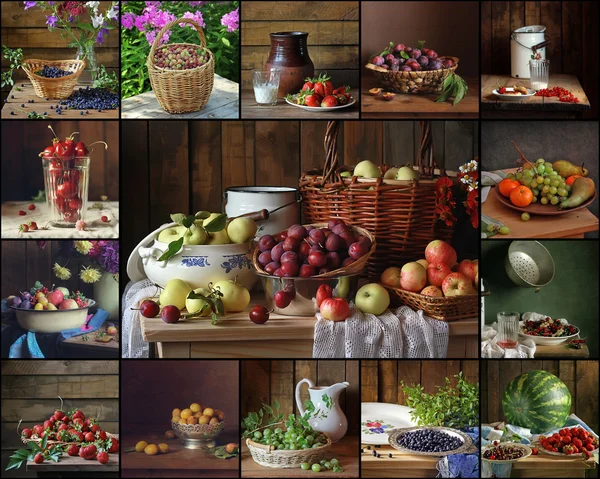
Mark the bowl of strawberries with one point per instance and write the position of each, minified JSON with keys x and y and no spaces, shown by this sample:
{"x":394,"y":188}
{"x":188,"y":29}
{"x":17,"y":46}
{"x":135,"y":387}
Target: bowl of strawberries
{"x":569,"y":441}
{"x":320,"y":94}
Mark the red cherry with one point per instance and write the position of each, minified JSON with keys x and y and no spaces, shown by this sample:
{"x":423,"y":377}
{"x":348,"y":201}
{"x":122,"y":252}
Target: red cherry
{"x":80,"y":149}
{"x":22,"y":213}
{"x":75,"y":203}
{"x":104,"y":219}
{"x":31,"y":207}
{"x":66,"y":189}
{"x":259,"y":315}
{"x":282,"y":299}
{"x":149,"y":309}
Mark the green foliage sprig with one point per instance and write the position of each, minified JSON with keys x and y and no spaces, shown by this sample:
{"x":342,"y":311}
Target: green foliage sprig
{"x":15,"y":57}
{"x":454,"y":86}
{"x":21,"y":456}
{"x":106,"y":80}
{"x":451,"y":406}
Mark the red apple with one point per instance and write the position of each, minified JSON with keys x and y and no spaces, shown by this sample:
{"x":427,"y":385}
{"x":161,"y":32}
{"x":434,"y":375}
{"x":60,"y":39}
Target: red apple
{"x":335,"y":309}
{"x":432,"y":291}
{"x":68,"y":304}
{"x":413,"y":277}
{"x":469,"y":268}
{"x":55,"y":297}
{"x":437,"y":272}
{"x":323,"y":292}
{"x":391,"y":277}
{"x":457,"y":284}
{"x":439,"y":251}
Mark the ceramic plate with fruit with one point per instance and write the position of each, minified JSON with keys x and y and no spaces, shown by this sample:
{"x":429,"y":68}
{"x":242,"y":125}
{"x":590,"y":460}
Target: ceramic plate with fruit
{"x":547,"y":331}
{"x":320,"y":94}
{"x":505,"y":452}
{"x":513,"y":93}
{"x":569,"y":441}
{"x":294,"y":101}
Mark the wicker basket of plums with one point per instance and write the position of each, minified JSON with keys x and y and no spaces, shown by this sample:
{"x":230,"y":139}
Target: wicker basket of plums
{"x":431,"y":441}
{"x":404,"y":69}
{"x":505,"y":452}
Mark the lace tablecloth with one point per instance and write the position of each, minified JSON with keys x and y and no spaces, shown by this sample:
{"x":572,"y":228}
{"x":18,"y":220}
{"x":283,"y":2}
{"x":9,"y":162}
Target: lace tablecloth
{"x":97,"y":229}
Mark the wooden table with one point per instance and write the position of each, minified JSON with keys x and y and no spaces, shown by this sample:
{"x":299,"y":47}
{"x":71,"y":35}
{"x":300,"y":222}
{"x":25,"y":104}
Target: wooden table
{"x":399,"y":465}
{"x":179,"y":461}
{"x":535,"y":106}
{"x":418,"y":106}
{"x":569,"y":225}
{"x":223,"y":103}
{"x":24,"y":91}
{"x":235,"y":336}
{"x":75,"y":467}
{"x":543,"y":352}
{"x":252,"y":111}
{"x":87,"y":344}
{"x":346,"y":451}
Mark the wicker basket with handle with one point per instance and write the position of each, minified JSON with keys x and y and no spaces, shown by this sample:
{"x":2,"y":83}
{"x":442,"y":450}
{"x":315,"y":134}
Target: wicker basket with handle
{"x":400,"y":214}
{"x":182,"y":91}
{"x":56,"y":88}
{"x":268,"y":456}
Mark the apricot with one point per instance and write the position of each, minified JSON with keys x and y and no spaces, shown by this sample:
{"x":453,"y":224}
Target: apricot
{"x":164,"y":448}
{"x":198,"y":414}
{"x":169,"y":434}
{"x":375,"y":91}
{"x":195,"y":407}
{"x":151,"y":449}
{"x":192,"y":420}
{"x":182,"y":421}
{"x":175,"y":419}
{"x":231,"y":447}
{"x":214,"y":421}
{"x":210,"y":412}
{"x":140,"y":446}
{"x":186,"y":413}
{"x":220,"y":414}
{"x":388,"y":96}
{"x":204,"y":420}
{"x":176,"y":412}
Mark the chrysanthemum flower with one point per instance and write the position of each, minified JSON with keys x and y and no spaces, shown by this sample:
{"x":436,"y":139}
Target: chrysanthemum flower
{"x":61,"y":272}
{"x":90,"y":275}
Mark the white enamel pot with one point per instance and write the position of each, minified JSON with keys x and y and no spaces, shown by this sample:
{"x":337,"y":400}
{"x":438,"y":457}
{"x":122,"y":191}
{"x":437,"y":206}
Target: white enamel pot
{"x":242,"y":200}
{"x":524,"y":42}
{"x":55,"y":321}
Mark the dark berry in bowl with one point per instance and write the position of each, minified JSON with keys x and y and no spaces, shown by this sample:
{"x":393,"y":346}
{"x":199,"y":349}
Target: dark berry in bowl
{"x":378,"y":60}
{"x":52,"y":72}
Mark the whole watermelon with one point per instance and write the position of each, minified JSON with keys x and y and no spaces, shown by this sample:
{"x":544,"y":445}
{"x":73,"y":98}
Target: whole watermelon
{"x":537,"y":400}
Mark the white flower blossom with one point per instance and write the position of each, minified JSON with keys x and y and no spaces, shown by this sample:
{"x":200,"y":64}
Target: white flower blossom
{"x":98,"y":20}
{"x":93,"y":5}
{"x":112,"y":13}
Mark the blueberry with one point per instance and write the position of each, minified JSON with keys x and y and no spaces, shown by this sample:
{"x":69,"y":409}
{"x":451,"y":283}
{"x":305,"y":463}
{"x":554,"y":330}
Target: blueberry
{"x":12,"y":97}
{"x":390,"y":455}
{"x":45,"y":113}
{"x":51,"y":107}
{"x":81,"y":113}
{"x":47,"y":99}
{"x":12,"y":112}
{"x":22,"y":105}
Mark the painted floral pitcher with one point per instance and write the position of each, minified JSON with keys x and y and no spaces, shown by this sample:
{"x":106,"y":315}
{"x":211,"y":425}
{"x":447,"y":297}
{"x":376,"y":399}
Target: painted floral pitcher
{"x":332,"y":420}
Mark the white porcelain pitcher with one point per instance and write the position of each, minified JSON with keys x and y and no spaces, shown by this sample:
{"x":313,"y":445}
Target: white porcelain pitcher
{"x":335,"y":424}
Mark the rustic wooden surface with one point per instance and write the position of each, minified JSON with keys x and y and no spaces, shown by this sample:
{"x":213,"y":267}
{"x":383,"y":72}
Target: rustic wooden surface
{"x":217,"y":155}
{"x":42,"y":105}
{"x":399,"y":465}
{"x":346,"y":451}
{"x":281,"y":337}
{"x":265,"y":381}
{"x":581,"y":377}
{"x":380,"y":380}
{"x":547,"y":352}
{"x":420,"y":106}
{"x":27,"y":29}
{"x":571,"y":28}
{"x":251,"y":110}
{"x":91,"y":343}
{"x":179,"y":461}
{"x":569,"y":225}
{"x":30,"y":391}
{"x":332,"y":36}
{"x":223,"y":103}
{"x":23,"y":141}
{"x":490,"y":103}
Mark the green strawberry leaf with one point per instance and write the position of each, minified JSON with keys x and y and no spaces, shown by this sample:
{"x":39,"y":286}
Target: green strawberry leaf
{"x":44,"y":441}
{"x":172,"y":250}
{"x":216,"y":225}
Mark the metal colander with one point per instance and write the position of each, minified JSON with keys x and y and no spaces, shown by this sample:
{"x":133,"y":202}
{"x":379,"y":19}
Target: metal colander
{"x":529,"y":265}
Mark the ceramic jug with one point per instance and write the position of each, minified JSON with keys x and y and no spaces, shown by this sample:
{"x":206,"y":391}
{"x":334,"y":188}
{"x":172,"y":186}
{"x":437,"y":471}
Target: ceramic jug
{"x":335,"y":424}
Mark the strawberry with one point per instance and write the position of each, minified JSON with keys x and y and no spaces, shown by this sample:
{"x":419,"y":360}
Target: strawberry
{"x":102,"y":435}
{"x":342,"y":100}
{"x":320,"y":86}
{"x":73,"y":450}
{"x":102,"y":457}
{"x":502,"y":90}
{"x":95,"y":428}
{"x":26,"y":433}
{"x":568,"y":449}
{"x":113,"y":445}
{"x":38,"y":429}
{"x":309,"y":85}
{"x":88,"y":452}
{"x":78,"y":414}
{"x":79,"y":435}
{"x":534,"y":451}
{"x":33,"y":226}
{"x":567,"y":439}
{"x":312,"y":99}
{"x":39,"y":458}
{"x":589,"y":447}
{"x":587,"y":454}
{"x":328,"y":87}
{"x":63,"y":436}
{"x":89,"y":437}
{"x":58,"y":415}
{"x":48,"y":424}
{"x":329,"y":101}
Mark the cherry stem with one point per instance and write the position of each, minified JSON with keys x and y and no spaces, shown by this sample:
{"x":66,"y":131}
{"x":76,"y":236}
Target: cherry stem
{"x":72,"y":136}
{"x":52,"y":130}
{"x":522,"y":155}
{"x":100,"y":141}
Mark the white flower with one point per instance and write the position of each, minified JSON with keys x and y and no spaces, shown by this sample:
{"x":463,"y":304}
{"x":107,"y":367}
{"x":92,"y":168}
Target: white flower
{"x":112,"y":13}
{"x":93,"y":5}
{"x":97,"y":21}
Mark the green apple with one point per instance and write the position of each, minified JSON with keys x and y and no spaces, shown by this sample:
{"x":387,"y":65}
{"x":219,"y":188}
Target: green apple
{"x":220,"y":237}
{"x":367,"y":169}
{"x":241,"y":230}
{"x":175,"y":293}
{"x":63,"y":290}
{"x":372,"y":298}
{"x":235,"y":297}
{"x":391,"y":173}
{"x":407,"y":173}
{"x":346,"y":174}
{"x":195,"y":305}
{"x":170,"y":234}
{"x":197,"y":234}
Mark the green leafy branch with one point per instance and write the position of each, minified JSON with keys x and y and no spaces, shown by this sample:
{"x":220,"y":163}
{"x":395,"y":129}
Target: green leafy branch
{"x":454,"y":86}
{"x":213,"y":301}
{"x":21,"y":456}
{"x":15,"y":57}
{"x":221,"y":453}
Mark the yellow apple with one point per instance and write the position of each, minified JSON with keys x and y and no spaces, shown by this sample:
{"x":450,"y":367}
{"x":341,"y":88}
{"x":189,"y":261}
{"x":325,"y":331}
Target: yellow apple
{"x":220,"y":237}
{"x":372,"y":298}
{"x":241,"y":230}
{"x":175,"y":293}
{"x":367,"y":169}
{"x":235,"y":297}
{"x":170,"y":234}
{"x":391,"y":173}
{"x":51,"y":307}
{"x":196,"y":236}
{"x":195,"y":305}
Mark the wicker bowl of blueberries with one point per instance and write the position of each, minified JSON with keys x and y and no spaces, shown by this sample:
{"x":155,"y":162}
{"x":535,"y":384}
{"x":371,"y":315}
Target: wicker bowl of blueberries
{"x":431,"y":441}
{"x":53,"y":79}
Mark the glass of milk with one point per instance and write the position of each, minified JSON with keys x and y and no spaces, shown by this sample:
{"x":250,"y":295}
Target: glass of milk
{"x":266,"y":86}
{"x":539,"y":71}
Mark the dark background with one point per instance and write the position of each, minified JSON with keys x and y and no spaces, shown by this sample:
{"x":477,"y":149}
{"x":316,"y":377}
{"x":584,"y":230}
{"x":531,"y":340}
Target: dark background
{"x":449,"y":28}
{"x":572,"y":294}
{"x":22,"y":141}
{"x":571,"y":27}
{"x":574,"y":141}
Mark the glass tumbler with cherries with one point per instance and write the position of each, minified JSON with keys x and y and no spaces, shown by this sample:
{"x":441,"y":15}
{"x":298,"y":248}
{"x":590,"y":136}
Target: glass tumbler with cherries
{"x":66,"y":178}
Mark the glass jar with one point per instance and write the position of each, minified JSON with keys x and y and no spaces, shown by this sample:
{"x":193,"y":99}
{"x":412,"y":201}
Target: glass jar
{"x":266,"y":86}
{"x":66,"y":183}
{"x":508,"y":330}
{"x":88,"y":54}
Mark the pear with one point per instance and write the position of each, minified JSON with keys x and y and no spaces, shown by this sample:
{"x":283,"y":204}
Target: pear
{"x":175,"y":293}
{"x":235,"y":297}
{"x":582,"y":190}
{"x":241,"y":230}
{"x":367,"y":169}
{"x":565,"y":169}
{"x":346,"y":174}
{"x":407,"y":173}
{"x":170,"y":234}
{"x":195,"y":305}
{"x":391,"y":173}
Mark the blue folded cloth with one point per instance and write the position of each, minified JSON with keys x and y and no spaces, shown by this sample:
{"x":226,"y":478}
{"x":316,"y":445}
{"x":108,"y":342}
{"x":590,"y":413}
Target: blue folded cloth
{"x":91,"y":325}
{"x":26,"y":347}
{"x":462,"y":465}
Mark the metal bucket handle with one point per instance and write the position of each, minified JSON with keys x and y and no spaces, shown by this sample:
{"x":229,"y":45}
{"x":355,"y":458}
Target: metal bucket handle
{"x":534,"y":48}
{"x":264,"y":214}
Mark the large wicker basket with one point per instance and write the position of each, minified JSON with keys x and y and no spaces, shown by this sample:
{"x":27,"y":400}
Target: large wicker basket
{"x":182,"y":91}
{"x":441,"y":308}
{"x":55,"y":88}
{"x":400,"y":214}
{"x":353,"y":268}
{"x":429,"y":81}
{"x":268,"y":456}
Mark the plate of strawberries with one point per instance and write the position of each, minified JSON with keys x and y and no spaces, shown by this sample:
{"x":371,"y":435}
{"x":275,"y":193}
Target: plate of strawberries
{"x":320,"y":94}
{"x":569,"y":441}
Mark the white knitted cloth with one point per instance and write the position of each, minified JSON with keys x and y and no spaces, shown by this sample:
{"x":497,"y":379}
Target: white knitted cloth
{"x":402,"y":333}
{"x":491,"y":350}
{"x":132,"y":342}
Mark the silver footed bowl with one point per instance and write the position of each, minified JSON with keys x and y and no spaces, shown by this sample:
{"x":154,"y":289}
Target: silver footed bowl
{"x":197,"y":432}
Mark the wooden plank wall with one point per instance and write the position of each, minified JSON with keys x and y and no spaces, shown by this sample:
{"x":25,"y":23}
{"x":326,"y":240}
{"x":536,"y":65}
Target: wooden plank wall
{"x":30,"y":390}
{"x":28,"y":30}
{"x":186,"y":166}
{"x":332,"y":40}
{"x":264,"y":381}
{"x":22,"y":141}
{"x":24,"y":263}
{"x":380,"y":380}
{"x":581,"y":377}
{"x":571,"y":27}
